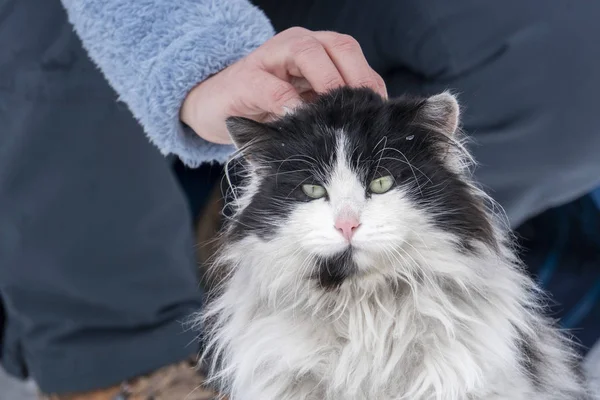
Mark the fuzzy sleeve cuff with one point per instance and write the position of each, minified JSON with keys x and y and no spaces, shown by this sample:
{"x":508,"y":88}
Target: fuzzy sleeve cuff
{"x":153,"y":52}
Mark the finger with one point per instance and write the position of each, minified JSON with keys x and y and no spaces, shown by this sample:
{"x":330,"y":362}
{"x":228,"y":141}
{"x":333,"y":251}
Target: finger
{"x":381,"y":85}
{"x":270,"y":94}
{"x":308,"y":58}
{"x":349,"y":59}
{"x":301,"y":85}
{"x":309,"y":96}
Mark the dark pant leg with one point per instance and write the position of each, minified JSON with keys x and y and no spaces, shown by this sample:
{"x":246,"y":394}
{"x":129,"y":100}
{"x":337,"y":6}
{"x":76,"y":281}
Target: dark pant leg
{"x":526,"y":73}
{"x":97,"y":268}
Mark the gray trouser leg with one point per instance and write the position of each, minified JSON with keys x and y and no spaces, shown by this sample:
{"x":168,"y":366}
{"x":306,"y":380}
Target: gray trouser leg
{"x":97,"y":268}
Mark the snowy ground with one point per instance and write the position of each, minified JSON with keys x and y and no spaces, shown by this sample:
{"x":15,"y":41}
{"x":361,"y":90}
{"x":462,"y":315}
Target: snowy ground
{"x":11,"y":389}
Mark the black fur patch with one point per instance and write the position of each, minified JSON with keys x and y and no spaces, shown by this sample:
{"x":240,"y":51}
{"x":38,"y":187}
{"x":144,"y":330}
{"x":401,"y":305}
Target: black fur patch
{"x":385,"y":138}
{"x":531,"y":360}
{"x":333,"y":271}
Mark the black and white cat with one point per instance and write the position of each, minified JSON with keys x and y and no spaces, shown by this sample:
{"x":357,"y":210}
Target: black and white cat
{"x":364,"y":263}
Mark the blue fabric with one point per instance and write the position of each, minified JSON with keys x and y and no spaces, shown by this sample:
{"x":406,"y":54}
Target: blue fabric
{"x":596,"y":196}
{"x":562,"y":249}
{"x":590,"y":299}
{"x":97,"y":260}
{"x":153,"y":52}
{"x":526,"y":72}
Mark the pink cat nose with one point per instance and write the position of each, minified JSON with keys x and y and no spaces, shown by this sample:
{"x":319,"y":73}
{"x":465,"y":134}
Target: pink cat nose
{"x":347,"y":226}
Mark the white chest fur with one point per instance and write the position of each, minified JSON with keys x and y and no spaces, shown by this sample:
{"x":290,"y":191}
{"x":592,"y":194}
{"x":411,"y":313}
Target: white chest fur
{"x":422,"y":339}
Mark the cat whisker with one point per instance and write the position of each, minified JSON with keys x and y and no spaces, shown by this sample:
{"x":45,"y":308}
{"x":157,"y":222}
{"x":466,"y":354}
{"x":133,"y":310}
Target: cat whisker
{"x":410,"y":165}
{"x":424,"y":317}
{"x":384,"y":140}
{"x":279,"y":173}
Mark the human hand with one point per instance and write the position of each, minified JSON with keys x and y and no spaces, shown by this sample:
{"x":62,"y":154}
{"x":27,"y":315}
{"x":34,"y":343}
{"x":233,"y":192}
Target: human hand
{"x":295,"y":64}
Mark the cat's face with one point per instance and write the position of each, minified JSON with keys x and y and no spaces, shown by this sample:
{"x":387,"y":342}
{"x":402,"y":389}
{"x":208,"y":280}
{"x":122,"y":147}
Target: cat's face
{"x":347,"y":183}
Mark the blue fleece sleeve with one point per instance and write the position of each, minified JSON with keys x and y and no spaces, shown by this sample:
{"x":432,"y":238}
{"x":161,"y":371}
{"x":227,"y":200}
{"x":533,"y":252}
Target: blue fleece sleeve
{"x":153,"y":52}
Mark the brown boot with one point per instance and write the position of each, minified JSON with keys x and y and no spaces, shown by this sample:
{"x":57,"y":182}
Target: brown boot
{"x":179,"y":381}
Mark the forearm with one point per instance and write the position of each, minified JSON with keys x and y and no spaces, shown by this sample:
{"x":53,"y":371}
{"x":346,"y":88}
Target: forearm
{"x":153,"y":52}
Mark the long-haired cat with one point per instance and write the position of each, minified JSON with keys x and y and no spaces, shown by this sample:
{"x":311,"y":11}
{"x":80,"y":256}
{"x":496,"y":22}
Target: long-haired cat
{"x":362,"y":262}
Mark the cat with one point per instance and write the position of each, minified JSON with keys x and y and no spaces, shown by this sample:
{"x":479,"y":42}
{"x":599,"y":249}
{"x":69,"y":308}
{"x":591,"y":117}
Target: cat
{"x":363,"y":262}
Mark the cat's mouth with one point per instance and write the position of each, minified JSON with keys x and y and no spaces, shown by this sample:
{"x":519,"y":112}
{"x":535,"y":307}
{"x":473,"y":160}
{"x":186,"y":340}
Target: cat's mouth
{"x":332,"y":271}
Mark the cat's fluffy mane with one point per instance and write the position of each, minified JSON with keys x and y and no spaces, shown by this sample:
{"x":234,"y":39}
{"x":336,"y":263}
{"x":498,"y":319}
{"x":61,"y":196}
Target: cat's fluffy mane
{"x":440,"y":310}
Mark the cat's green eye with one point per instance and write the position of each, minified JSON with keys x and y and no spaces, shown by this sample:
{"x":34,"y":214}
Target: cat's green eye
{"x":381,"y":185}
{"x":314,"y":191}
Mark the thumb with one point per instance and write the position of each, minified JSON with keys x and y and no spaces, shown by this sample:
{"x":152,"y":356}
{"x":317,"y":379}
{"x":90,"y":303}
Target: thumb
{"x":276,"y":96}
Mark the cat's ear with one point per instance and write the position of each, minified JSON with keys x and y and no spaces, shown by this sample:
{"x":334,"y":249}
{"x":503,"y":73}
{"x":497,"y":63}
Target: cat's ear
{"x":250,"y":137}
{"x":442,"y":112}
{"x":245,"y":132}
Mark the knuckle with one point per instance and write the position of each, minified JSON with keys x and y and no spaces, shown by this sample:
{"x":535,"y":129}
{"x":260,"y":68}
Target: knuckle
{"x":305,"y":44}
{"x":331,"y":82}
{"x":280,"y":93}
{"x":345,"y":43}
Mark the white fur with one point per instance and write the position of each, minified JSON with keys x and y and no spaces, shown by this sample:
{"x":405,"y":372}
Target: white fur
{"x":421,"y":320}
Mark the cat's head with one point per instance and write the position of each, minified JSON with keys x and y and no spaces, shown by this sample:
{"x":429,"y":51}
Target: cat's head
{"x":350,"y":182}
